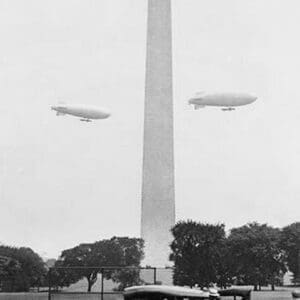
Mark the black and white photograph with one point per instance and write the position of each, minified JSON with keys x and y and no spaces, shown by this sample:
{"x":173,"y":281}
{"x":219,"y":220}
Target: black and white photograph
{"x":149,"y":149}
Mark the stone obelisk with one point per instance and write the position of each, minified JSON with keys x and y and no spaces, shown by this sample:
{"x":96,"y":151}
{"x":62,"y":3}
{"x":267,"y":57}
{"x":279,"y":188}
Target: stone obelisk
{"x":158,"y":195}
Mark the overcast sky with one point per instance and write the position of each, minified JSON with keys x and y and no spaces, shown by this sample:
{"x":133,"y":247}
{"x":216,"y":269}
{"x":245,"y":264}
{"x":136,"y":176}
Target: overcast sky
{"x":63,"y":182}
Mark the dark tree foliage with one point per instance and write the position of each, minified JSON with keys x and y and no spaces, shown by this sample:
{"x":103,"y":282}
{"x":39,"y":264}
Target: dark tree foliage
{"x":197,"y":253}
{"x":22,"y":269}
{"x":125,"y":278}
{"x":225,"y":275}
{"x":60,"y":278}
{"x":256,"y":255}
{"x":132,"y":249}
{"x":10,"y":272}
{"x":118,"y":251}
{"x":290,"y":242}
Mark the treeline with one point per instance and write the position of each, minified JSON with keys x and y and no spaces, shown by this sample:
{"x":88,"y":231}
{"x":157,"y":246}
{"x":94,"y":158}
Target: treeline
{"x":22,"y":268}
{"x":253,"y":254}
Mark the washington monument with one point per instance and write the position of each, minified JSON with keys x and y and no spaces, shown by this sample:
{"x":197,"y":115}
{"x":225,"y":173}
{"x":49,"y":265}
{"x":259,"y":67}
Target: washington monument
{"x":158,"y":195}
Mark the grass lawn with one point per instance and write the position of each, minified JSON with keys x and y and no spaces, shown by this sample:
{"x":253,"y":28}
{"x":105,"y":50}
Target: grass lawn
{"x":44,"y":296}
{"x":264,"y":295}
{"x":279,"y":294}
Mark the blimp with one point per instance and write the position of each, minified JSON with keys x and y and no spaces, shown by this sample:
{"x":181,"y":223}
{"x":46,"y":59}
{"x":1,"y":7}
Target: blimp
{"x":226,"y":100}
{"x":86,"y":113}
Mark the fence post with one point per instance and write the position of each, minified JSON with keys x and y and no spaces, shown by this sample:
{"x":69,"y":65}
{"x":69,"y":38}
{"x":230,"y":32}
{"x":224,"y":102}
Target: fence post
{"x":154,"y":271}
{"x":102,"y":283}
{"x":49,"y":284}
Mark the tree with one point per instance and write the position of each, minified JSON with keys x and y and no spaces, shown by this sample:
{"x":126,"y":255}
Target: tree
{"x":24,"y":268}
{"x":197,"y":252}
{"x":290,"y":242}
{"x":118,"y":251}
{"x":133,"y":253}
{"x":256,"y":255}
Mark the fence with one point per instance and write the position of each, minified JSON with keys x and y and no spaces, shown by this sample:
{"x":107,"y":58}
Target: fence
{"x":66,"y":282}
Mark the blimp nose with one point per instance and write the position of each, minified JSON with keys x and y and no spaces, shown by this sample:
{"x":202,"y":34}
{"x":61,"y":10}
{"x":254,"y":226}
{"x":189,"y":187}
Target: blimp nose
{"x":253,"y":98}
{"x":107,"y":114}
{"x":53,"y":107}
